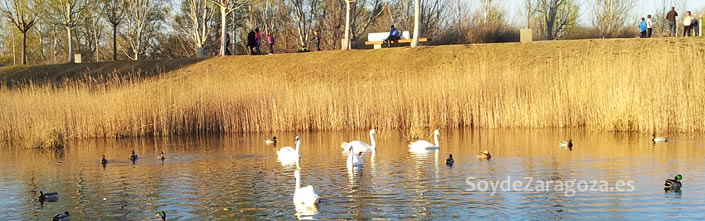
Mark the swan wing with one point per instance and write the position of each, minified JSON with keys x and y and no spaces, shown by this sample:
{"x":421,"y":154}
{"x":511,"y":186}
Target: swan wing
{"x":306,"y":195}
{"x":286,"y":150}
{"x":358,"y":146}
{"x":420,"y":144}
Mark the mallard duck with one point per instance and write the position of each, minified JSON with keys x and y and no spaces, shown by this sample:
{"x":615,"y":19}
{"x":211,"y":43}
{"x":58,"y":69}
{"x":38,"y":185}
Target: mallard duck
{"x":134,"y":156}
{"x":567,"y":143}
{"x":104,"y":161}
{"x":162,"y":215}
{"x":62,"y":217}
{"x":450,"y":161}
{"x":656,"y":139}
{"x":484,"y":155}
{"x":161,"y":156}
{"x":673,"y":184}
{"x":51,"y":197}
{"x":271,"y":141}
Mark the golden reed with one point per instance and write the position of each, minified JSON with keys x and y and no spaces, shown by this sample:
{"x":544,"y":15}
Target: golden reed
{"x":612,"y":85}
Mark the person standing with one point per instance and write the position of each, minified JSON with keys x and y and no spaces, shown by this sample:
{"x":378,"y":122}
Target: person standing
{"x":270,"y":40}
{"x":259,"y":40}
{"x":317,"y":38}
{"x":642,"y":27}
{"x":227,"y":44}
{"x":649,"y":26}
{"x":671,"y":17}
{"x":687,"y":21}
{"x":251,"y":42}
{"x":696,"y":26}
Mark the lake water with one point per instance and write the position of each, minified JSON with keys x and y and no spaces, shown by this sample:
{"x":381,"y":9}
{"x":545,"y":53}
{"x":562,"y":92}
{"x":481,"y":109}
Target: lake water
{"x":239,"y":177}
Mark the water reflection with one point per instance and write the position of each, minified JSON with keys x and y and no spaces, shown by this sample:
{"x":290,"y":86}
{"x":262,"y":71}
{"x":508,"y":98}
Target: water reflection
{"x":239,"y":177}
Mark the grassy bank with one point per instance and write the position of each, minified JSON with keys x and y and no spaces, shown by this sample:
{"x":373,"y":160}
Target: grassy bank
{"x":615,"y":85}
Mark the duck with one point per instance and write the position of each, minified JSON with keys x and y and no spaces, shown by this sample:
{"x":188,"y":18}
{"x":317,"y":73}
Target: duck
{"x":62,"y":217}
{"x":161,"y":156}
{"x":422,"y":145}
{"x":134,"y":156}
{"x":656,"y":139}
{"x":104,"y":161}
{"x":359,"y":146}
{"x":51,"y":197}
{"x":484,"y":155}
{"x":567,"y":143}
{"x":673,"y":185}
{"x":450,"y":161}
{"x":304,"y":197}
{"x":162,"y":215}
{"x":271,"y":141}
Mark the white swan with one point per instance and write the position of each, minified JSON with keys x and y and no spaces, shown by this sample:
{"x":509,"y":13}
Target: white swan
{"x":422,"y":145}
{"x":354,"y":159}
{"x":304,"y":197}
{"x":288,"y":155}
{"x":359,"y":146}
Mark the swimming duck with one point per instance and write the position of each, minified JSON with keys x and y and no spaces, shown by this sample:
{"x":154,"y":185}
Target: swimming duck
{"x":62,"y":217}
{"x":484,"y":155}
{"x":656,"y":139}
{"x":271,"y":141}
{"x":162,"y":215}
{"x":104,"y":161}
{"x":134,"y":156}
{"x":673,"y":184}
{"x":567,"y":143}
{"x":450,"y":161}
{"x":51,"y":197}
{"x":161,"y":156}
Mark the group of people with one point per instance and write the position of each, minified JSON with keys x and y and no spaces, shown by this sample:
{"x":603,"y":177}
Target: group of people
{"x":691,"y":26}
{"x":254,"y":41}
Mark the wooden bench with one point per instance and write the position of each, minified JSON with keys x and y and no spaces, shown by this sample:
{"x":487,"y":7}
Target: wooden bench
{"x":377,"y":39}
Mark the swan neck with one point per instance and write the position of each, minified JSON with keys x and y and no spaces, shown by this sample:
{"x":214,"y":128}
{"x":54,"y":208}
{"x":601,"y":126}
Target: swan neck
{"x":435,"y":138}
{"x":298,"y":183}
{"x":372,"y":140}
{"x":298,"y":143}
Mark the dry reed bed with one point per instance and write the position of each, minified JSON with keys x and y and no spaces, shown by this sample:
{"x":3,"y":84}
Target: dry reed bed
{"x":599,"y":85}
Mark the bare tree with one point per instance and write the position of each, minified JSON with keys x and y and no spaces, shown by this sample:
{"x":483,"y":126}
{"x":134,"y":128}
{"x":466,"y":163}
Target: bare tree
{"x":199,"y":13}
{"x":360,"y":16}
{"x":23,"y":15}
{"x":114,"y":12}
{"x":554,"y":16}
{"x":610,"y":16}
{"x":226,"y":7}
{"x":142,"y":16}
{"x":66,"y":13}
{"x":304,"y":12}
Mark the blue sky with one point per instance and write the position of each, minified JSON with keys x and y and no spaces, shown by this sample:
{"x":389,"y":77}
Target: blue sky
{"x":643,"y":7}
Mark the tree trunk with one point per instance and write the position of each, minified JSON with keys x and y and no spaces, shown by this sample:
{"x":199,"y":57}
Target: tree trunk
{"x":95,"y":36}
{"x":24,"y":47}
{"x":115,"y":42}
{"x":347,"y":25}
{"x":70,"y":41}
{"x":417,"y":11}
{"x":223,"y":23}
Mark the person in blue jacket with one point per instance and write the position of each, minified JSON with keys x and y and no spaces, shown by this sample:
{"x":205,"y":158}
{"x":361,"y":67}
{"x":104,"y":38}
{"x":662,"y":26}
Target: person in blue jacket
{"x":642,"y":27}
{"x":394,"y":35}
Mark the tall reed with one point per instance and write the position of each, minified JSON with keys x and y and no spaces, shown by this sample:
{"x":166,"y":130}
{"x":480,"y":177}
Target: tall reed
{"x":605,"y":85}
